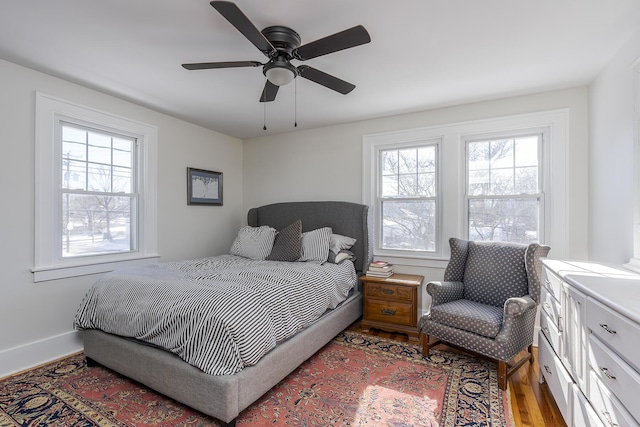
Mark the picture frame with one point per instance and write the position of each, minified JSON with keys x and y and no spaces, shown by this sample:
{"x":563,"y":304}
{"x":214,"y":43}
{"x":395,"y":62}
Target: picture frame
{"x":204,"y":187}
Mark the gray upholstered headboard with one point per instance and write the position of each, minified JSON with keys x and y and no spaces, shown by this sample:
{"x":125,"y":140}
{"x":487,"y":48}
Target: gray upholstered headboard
{"x":346,"y":218}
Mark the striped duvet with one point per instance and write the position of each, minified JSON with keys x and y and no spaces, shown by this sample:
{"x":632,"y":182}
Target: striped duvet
{"x":219,"y":314}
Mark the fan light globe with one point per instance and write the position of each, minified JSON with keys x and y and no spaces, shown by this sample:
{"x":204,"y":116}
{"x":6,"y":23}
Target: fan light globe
{"x":280,"y":76}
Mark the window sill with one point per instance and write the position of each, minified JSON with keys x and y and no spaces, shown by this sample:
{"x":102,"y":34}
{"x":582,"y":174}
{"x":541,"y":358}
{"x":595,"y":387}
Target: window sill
{"x":431,"y":262}
{"x":62,"y":272}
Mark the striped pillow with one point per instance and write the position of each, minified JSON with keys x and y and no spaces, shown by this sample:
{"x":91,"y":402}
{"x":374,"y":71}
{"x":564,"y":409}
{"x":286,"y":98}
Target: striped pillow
{"x":315,"y":245}
{"x":254,"y":242}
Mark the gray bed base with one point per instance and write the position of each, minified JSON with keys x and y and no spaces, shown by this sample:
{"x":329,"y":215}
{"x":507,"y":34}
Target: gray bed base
{"x":225,"y":396}
{"x":221,"y":396}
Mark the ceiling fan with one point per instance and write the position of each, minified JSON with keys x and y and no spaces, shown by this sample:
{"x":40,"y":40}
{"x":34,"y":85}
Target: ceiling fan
{"x":281,"y":45}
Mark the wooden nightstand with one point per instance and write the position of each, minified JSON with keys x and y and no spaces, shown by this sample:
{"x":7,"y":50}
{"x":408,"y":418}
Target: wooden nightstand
{"x":391,"y":304}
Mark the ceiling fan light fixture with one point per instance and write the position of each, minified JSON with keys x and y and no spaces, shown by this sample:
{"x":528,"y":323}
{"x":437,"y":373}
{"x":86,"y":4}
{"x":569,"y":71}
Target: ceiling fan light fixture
{"x":280,"y":73}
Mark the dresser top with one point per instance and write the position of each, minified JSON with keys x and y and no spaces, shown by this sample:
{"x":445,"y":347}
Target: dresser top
{"x":614,"y":286}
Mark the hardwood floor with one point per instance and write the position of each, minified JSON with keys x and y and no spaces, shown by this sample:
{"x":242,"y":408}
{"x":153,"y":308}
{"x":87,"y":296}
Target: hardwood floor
{"x":531,"y":402}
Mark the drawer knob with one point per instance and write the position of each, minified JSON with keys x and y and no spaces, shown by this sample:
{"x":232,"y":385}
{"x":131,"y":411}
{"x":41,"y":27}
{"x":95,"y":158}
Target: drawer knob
{"x":605,"y":371}
{"x":606,"y":328}
{"x":546,"y":368}
{"x":607,"y":415}
{"x":546,"y":331}
{"x":387,"y":291}
{"x":388,"y":312}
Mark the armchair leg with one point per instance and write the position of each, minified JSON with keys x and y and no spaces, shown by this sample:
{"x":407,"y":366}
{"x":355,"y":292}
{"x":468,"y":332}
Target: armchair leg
{"x":502,"y":375}
{"x":426,"y":345}
{"x":505,"y":370}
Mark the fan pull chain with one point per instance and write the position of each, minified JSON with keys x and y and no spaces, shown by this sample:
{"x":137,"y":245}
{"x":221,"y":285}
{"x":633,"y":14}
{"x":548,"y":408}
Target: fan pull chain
{"x":295,"y":103}
{"x":264,"y":102}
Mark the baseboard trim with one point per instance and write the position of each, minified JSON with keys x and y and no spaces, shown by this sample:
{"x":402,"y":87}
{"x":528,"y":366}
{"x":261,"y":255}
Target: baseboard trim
{"x":20,"y":358}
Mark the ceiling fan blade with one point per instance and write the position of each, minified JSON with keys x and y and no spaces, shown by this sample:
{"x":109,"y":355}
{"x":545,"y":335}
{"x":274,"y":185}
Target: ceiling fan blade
{"x":325,"y":79}
{"x":234,"y":15}
{"x":339,"y":41}
{"x":230,"y":64}
{"x":269,"y":92}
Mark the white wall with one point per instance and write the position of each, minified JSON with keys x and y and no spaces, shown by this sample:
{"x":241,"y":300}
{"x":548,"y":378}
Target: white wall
{"x":36,"y":319}
{"x":612,"y":97}
{"x":326,"y":163}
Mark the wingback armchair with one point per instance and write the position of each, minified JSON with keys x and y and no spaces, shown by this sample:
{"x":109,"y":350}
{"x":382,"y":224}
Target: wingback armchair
{"x":487,"y":302}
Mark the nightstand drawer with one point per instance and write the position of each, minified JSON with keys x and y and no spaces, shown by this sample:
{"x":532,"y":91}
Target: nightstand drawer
{"x":389,"y":312}
{"x":394,"y":292}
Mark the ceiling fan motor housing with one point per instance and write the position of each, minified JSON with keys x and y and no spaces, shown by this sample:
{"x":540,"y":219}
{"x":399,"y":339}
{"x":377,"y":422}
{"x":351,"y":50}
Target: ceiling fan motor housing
{"x":284,"y":40}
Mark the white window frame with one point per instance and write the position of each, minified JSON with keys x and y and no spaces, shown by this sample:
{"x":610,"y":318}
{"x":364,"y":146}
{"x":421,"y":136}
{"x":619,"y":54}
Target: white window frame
{"x":48,"y":264}
{"x":379,"y":199}
{"x":372,"y":146}
{"x":542,"y":177}
{"x":452,"y":184}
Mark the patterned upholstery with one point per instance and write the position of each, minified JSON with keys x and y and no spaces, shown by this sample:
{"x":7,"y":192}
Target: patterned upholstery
{"x":487,"y":303}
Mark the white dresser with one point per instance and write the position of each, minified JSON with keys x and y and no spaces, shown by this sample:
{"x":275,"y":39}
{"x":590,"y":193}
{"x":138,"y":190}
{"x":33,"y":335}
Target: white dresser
{"x":589,"y":343}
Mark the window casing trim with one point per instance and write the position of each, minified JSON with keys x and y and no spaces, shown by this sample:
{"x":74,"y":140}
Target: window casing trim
{"x":47,"y":264}
{"x":452,"y":170}
{"x":372,"y":146}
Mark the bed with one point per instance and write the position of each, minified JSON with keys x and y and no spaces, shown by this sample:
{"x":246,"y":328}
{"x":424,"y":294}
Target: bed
{"x":225,"y":396}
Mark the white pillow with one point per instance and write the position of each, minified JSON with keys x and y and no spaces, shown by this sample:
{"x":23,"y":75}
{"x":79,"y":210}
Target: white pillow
{"x":254,"y":242}
{"x":339,"y":242}
{"x":315,"y":245}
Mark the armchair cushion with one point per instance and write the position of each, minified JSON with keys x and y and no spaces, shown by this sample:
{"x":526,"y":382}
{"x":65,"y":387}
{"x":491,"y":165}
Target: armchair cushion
{"x":495,"y":272}
{"x":472,"y":316}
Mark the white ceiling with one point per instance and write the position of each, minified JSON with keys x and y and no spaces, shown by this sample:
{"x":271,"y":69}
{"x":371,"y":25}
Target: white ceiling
{"x":424,"y":53}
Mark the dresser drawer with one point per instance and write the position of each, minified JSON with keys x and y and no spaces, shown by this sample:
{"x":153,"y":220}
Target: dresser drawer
{"x":584,"y":415}
{"x":550,"y":330}
{"x":556,"y":376}
{"x":389,"y":312}
{"x":552,"y":283}
{"x":550,"y":306}
{"x":607,"y":406}
{"x":615,"y":330}
{"x":615,"y":374}
{"x":395,"y":292}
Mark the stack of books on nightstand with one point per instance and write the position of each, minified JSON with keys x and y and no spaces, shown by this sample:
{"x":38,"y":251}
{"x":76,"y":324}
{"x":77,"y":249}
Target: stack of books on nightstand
{"x":380,"y":269}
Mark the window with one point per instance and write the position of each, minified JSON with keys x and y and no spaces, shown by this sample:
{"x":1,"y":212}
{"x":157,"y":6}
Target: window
{"x":98,"y":192}
{"x":503,"y":194}
{"x":408,"y":198}
{"x":95,"y":191}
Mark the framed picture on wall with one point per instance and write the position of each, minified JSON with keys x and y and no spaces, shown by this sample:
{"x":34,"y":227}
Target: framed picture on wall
{"x":204,"y":187}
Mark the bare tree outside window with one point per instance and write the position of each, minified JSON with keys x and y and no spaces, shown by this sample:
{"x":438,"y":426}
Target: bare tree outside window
{"x":408,"y":197}
{"x":98,"y":198}
{"x":503,"y":190}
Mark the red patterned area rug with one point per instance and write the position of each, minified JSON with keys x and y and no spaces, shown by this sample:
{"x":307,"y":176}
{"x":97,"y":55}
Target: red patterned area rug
{"x":355,"y":380}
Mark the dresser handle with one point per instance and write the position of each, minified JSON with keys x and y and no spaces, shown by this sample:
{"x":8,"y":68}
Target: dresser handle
{"x":388,"y":312}
{"x":605,"y":371}
{"x":606,"y":328}
{"x":387,"y":291}
{"x":546,"y":368}
{"x":546,"y":331}
{"x":560,"y":328}
{"x":607,"y":415}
